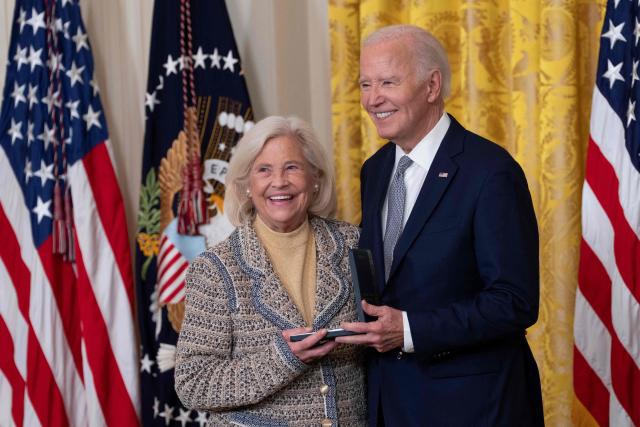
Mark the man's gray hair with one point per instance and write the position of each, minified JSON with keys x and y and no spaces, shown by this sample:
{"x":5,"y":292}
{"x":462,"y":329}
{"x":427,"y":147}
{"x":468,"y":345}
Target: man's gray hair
{"x":429,"y":53}
{"x":238,"y":207}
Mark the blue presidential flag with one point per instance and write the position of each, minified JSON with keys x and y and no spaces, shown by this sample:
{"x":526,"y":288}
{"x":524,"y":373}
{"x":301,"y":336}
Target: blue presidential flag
{"x":197,"y":108}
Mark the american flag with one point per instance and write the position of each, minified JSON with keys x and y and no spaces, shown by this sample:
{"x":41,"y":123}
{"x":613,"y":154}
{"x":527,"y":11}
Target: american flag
{"x":223,"y":113}
{"x":607,"y":312}
{"x":67,"y":332}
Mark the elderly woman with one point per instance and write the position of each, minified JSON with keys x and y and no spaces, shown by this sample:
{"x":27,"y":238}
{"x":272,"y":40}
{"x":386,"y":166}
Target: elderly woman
{"x":283,"y":271}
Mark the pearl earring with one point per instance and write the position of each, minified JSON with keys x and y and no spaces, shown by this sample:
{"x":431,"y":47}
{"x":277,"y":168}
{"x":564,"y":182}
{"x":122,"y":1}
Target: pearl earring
{"x":316,"y":187}
{"x":248,"y":193}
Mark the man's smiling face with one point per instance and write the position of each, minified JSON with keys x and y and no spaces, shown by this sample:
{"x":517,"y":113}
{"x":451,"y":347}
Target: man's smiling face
{"x":393,"y":93}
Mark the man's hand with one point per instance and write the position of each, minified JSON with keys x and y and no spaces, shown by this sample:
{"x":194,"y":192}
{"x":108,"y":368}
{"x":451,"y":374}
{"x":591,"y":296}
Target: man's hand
{"x":384,"y":334}
{"x":310,"y":348}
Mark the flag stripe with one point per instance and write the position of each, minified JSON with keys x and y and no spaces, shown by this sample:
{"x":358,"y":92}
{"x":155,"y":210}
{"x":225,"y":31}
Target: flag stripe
{"x":627,"y":245}
{"x":165,"y":264}
{"x":608,"y":133}
{"x":43,"y":311}
{"x":592,"y":339}
{"x":595,"y":285}
{"x":96,"y":417}
{"x":104,"y":275}
{"x":28,"y":355}
{"x":598,"y":234}
{"x":590,"y":389}
{"x":116,"y":404}
{"x":12,"y":387}
{"x":110,"y":208}
{"x":62,"y":283}
{"x":174,"y":283}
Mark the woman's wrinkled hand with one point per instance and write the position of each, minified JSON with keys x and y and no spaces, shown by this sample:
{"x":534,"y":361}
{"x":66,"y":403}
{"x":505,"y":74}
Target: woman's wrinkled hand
{"x":311,"y":348}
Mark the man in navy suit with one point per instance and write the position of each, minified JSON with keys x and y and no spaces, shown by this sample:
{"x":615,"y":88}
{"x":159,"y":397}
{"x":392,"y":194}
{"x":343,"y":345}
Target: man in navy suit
{"x":448,"y":217}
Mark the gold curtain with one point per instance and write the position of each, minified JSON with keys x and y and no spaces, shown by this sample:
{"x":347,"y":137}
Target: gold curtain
{"x":523,"y":75}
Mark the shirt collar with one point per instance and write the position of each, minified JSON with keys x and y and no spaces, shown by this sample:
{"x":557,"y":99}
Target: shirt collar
{"x":423,"y":153}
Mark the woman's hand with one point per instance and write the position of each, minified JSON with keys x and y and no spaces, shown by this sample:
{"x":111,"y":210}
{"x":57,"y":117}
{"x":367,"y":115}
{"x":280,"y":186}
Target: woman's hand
{"x":310,"y":348}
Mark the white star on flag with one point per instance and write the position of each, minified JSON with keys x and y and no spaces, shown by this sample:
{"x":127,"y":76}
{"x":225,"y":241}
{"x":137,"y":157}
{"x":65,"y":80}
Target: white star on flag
{"x":150,"y":100}
{"x":156,"y":407}
{"x":229,"y":62}
{"x":146,"y":363}
{"x":171,"y":66}
{"x":21,"y":57}
{"x":94,"y":86}
{"x":202,"y":418}
{"x":80,"y":39}
{"x":34,"y":58}
{"x":18,"y":94}
{"x":199,"y":58}
{"x":73,"y":108}
{"x":36,"y":20}
{"x":631,"y":115}
{"x":15,"y":131}
{"x":47,"y":136}
{"x":75,"y":74}
{"x":51,"y":100}
{"x":69,"y":139}
{"x":615,"y":33}
{"x":613,"y":73}
{"x":55,"y":62}
{"x":33,"y":95}
{"x":184,"y":417}
{"x":167,"y":414}
{"x":63,"y":28}
{"x":28,"y":173}
{"x":22,"y":19}
{"x":215,"y":59}
{"x":92,"y":118}
{"x":42,"y":209}
{"x":44,"y":173}
{"x":30,"y":137}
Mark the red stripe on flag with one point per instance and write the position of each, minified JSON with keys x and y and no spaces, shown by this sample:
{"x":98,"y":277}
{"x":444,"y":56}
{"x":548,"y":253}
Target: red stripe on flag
{"x":595,"y":284}
{"x":164,"y":266}
{"x":110,"y":208}
{"x":10,"y":371}
{"x":589,"y":389}
{"x":173,"y":278}
{"x":62,"y":279}
{"x":625,"y":377}
{"x":10,"y":254}
{"x":42,"y":389}
{"x":115,"y":401}
{"x":626,"y":243}
{"x":44,"y":392}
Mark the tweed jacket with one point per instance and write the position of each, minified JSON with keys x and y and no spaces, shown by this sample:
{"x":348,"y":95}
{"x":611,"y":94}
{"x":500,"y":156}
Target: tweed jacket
{"x":232,"y":360}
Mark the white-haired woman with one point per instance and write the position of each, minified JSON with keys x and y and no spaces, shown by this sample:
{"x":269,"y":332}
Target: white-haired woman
{"x":283,"y":271}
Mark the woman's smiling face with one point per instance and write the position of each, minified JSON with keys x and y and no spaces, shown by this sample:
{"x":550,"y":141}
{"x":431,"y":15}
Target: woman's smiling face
{"x":281,"y":184}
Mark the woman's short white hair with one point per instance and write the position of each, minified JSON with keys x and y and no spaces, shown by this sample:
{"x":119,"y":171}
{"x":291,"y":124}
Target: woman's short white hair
{"x":429,"y":53}
{"x":238,"y":206}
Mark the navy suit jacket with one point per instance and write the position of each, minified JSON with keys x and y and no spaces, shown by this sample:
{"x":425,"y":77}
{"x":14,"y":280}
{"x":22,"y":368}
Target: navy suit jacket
{"x":465,"y":270}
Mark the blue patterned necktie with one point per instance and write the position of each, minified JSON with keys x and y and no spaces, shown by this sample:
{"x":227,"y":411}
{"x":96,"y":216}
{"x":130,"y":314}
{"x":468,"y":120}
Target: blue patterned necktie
{"x":395,"y":213}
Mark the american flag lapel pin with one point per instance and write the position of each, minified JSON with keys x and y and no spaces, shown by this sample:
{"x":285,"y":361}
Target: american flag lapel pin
{"x":443,"y":174}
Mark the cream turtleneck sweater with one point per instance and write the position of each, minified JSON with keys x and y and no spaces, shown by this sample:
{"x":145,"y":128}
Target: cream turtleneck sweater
{"x":293,"y":256}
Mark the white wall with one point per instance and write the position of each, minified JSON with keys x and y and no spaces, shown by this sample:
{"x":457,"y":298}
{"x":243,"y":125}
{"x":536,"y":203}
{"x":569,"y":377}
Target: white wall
{"x":284,"y":45}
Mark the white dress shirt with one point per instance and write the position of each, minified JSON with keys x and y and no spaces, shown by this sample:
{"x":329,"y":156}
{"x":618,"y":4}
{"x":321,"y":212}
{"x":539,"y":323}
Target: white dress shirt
{"x":422,"y":156}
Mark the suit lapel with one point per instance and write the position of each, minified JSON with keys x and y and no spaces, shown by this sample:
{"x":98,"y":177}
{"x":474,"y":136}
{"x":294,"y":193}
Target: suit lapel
{"x":441,"y":173}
